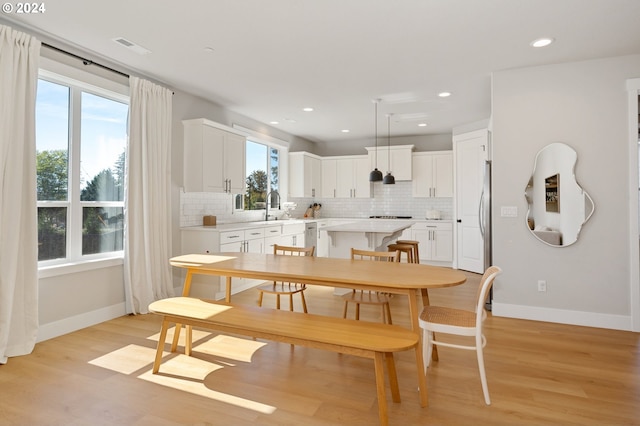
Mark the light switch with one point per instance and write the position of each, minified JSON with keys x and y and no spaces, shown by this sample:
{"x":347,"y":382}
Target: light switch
{"x":509,"y":211}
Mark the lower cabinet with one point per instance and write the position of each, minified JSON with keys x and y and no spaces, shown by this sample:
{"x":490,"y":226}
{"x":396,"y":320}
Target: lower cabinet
{"x":436,"y":241}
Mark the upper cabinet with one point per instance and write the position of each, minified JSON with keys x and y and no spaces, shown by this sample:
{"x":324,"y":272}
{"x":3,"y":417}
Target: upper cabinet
{"x":346,"y":177}
{"x":305,"y":174}
{"x":400,"y":161}
{"x":214,"y":157}
{"x":433,"y":174}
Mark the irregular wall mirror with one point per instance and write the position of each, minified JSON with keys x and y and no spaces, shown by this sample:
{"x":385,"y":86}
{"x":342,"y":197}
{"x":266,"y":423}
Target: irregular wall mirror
{"x":558,"y":206}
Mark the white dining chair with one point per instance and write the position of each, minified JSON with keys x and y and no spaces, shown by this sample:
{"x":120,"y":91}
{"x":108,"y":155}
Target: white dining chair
{"x":444,"y":320}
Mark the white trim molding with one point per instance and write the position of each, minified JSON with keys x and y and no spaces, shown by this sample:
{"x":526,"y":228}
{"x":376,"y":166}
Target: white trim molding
{"x":78,"y":322}
{"x":587,"y":319}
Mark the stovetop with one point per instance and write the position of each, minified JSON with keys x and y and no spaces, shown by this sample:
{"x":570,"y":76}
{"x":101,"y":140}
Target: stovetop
{"x":389,"y":217}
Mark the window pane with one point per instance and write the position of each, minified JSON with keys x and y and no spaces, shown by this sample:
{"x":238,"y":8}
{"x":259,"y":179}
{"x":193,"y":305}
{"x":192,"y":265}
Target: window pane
{"x":52,"y":233}
{"x":257,"y":180}
{"x":102,"y":229}
{"x":52,"y":141}
{"x":104,"y":138}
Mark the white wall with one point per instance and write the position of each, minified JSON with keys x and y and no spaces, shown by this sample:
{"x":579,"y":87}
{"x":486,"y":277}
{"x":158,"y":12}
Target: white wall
{"x":583,"y":104}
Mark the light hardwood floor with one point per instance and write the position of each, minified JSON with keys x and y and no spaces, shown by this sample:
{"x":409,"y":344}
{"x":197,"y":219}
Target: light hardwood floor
{"x":538,"y":373}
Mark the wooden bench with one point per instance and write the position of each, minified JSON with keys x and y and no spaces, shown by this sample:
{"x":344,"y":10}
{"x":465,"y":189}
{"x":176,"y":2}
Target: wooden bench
{"x":351,"y":337}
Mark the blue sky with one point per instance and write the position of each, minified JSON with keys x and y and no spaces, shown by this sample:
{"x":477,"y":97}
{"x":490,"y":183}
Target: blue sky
{"x":103,"y":127}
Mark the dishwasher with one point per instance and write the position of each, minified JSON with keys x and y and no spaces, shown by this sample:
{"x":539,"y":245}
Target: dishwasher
{"x":310,"y":234}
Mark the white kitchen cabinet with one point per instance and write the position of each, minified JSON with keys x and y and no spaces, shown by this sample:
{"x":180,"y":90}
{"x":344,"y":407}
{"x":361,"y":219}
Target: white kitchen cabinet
{"x":305,"y":174}
{"x":329,"y":178}
{"x":436,"y":240}
{"x":398,"y":157}
{"x":214,"y":157}
{"x":346,"y":177}
{"x":433,"y":174}
{"x":272,"y":236}
{"x":293,"y":235}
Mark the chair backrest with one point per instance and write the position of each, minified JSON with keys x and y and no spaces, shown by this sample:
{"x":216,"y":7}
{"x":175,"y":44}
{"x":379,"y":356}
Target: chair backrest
{"x":293,"y":251}
{"x":483,"y":291}
{"x":389,"y":256}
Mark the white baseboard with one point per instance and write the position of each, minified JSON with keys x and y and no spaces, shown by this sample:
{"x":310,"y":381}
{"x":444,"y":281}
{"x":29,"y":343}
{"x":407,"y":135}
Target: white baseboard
{"x":87,"y":319}
{"x":588,"y":319}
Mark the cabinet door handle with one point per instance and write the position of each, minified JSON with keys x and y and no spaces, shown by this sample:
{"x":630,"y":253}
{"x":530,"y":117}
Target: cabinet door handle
{"x":313,"y":192}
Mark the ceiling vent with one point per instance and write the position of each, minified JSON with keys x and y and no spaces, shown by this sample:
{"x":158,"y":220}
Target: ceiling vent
{"x":131,"y":46}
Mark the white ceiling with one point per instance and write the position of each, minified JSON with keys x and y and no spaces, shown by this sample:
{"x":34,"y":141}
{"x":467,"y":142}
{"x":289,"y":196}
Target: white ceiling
{"x":271,"y":58}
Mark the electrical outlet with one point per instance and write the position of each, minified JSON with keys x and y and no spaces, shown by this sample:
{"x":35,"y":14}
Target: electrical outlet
{"x":542,"y":285}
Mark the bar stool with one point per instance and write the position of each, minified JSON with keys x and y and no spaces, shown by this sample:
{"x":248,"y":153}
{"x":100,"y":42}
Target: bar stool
{"x":414,"y":244}
{"x":403,"y":248}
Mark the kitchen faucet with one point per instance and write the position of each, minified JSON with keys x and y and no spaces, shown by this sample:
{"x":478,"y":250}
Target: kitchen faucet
{"x":266,"y":210}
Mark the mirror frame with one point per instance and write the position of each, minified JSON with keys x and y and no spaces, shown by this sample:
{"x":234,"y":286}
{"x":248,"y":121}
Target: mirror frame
{"x":552,"y":176}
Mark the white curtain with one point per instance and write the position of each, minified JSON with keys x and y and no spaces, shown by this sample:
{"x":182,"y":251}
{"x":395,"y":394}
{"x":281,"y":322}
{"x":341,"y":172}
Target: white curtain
{"x":148,"y":197}
{"x":19,"y":56}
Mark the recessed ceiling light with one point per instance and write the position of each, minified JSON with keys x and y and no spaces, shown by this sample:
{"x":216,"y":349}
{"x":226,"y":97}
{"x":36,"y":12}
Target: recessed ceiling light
{"x":345,"y":130}
{"x":307,"y":109}
{"x":444,"y":94}
{"x":289,"y":120}
{"x":274,"y":122}
{"x":422,"y":125}
{"x":542,"y":42}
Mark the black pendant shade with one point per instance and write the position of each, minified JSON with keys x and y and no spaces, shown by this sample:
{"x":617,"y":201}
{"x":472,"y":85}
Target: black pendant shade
{"x":375,"y":175}
{"x":389,"y":179}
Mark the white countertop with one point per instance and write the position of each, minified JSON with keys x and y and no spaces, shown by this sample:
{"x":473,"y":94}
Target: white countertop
{"x":381,"y":226}
{"x":365,"y":224}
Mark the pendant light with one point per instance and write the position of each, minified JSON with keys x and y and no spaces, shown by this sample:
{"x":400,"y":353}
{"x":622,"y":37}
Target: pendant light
{"x":389,"y":179}
{"x":376,"y":175}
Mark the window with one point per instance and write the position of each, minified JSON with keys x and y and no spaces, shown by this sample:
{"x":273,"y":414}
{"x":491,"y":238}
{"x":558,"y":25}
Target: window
{"x":263,"y":175}
{"x":81,"y":135}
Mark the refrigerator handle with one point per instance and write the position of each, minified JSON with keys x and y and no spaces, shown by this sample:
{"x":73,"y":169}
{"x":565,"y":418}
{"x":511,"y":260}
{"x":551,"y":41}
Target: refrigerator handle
{"x":480,"y":213}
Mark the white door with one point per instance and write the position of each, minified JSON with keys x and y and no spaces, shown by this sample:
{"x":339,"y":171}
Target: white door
{"x":470,"y":156}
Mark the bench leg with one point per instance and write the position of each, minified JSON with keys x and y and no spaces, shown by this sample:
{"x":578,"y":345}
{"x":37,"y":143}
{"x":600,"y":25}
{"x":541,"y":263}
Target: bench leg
{"x":160,"y":350}
{"x":304,"y":302}
{"x":176,"y":336}
{"x":393,"y":377}
{"x":382,"y":398}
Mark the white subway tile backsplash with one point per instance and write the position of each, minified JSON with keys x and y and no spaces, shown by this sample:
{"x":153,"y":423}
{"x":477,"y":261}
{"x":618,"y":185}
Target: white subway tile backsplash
{"x":387,"y":200}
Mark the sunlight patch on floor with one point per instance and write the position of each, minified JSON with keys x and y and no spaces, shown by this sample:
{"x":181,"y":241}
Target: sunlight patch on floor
{"x":188,"y":374}
{"x":126,"y":360}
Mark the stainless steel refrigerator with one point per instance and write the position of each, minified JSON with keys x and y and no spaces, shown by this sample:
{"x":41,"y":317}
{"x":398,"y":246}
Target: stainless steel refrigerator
{"x":485,"y":223}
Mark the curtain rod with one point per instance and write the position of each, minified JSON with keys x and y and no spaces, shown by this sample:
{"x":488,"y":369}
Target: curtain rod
{"x":84,"y":60}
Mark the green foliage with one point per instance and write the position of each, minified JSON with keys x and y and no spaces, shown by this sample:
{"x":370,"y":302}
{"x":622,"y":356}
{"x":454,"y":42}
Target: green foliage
{"x":256,"y":189}
{"x":52,"y":178}
{"x":103,"y":187}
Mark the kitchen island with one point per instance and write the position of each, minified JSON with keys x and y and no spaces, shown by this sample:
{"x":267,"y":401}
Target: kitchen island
{"x":373,"y":234}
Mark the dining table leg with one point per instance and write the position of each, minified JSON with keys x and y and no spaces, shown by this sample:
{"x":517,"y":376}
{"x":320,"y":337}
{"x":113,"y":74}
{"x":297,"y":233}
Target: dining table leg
{"x":414,"y":311}
{"x":227,"y":297}
{"x":425,"y":302}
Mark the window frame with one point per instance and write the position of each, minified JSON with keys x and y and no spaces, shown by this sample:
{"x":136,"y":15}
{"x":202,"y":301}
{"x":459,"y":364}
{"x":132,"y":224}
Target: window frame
{"x":79,"y":81}
{"x":283,"y":166}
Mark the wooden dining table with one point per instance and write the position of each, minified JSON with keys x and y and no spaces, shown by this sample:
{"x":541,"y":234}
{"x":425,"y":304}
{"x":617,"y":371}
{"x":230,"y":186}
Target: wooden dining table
{"x":410,"y":279}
